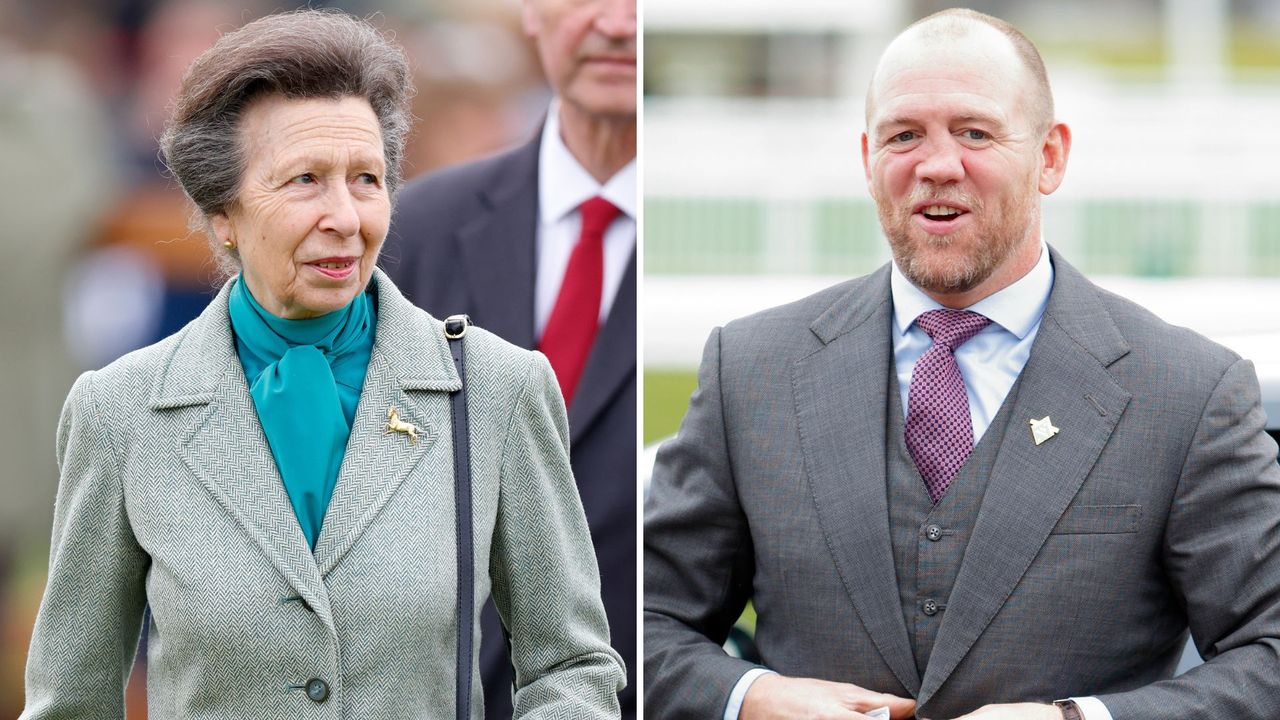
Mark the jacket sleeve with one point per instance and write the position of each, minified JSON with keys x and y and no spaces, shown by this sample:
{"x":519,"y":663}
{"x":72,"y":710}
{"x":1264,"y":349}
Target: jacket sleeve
{"x":90,"y":618}
{"x":698,"y":561}
{"x":546,"y":585}
{"x":1222,"y":555}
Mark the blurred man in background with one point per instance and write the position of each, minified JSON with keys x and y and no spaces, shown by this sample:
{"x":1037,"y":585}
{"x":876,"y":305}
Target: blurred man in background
{"x":538,"y":245}
{"x":972,"y":483}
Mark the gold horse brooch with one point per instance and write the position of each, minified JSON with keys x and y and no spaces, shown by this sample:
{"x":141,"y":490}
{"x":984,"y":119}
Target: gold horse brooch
{"x":395,"y":424}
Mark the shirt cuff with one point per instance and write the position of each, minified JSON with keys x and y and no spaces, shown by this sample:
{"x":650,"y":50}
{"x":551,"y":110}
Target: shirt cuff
{"x":1091,"y":708}
{"x":739,"y":693}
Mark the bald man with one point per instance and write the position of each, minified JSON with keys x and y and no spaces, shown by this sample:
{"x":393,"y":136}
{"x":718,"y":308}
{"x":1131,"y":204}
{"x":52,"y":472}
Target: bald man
{"x":971,"y":484}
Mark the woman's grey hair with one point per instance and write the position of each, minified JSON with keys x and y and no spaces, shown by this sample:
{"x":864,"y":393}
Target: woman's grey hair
{"x":301,"y":54}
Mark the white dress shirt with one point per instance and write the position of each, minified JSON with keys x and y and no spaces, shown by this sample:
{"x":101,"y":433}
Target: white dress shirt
{"x":563,"y":185}
{"x":990,"y":363}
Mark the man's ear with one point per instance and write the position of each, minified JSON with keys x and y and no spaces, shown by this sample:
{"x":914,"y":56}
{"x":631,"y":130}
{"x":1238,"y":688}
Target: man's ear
{"x":529,"y":18}
{"x":866,"y":165}
{"x":1057,"y":146}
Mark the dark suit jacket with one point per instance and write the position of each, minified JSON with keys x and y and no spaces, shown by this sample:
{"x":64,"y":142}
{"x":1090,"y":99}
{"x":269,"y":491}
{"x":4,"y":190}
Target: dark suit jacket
{"x":1156,"y":508}
{"x":462,"y":241}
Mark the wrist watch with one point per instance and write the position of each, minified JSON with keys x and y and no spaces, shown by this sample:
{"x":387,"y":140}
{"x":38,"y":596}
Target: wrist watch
{"x":1070,"y":710}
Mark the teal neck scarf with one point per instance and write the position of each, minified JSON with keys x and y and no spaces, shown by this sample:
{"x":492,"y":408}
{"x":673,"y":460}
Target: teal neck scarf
{"x":305,"y":378}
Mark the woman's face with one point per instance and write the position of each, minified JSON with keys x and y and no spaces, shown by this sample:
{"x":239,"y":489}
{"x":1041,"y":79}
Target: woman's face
{"x":313,"y":207}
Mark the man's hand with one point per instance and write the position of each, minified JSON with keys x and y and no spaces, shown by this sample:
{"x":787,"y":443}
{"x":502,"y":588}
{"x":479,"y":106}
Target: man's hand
{"x":1018,"y":711}
{"x":774,"y":697}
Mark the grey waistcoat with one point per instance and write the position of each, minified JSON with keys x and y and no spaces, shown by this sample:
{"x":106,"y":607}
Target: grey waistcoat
{"x":929,"y":540}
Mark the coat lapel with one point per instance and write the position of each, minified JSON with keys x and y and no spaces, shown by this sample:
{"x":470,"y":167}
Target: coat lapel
{"x":410,"y":369}
{"x":497,"y":249}
{"x":1031,"y":485}
{"x":227,"y":451}
{"x":410,"y":355}
{"x":612,"y":362}
{"x":840,"y":396}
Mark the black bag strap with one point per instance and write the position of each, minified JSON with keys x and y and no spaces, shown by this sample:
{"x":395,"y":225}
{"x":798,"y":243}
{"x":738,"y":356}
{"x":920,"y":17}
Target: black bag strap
{"x":455,"y":327}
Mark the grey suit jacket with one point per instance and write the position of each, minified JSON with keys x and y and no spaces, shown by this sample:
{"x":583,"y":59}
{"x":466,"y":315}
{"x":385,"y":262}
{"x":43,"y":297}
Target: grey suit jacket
{"x":1155,"y":509}
{"x":169,"y":495}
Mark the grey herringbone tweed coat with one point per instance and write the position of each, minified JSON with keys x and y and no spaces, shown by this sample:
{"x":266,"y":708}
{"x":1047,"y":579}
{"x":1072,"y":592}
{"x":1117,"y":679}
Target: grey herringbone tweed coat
{"x":169,"y":495}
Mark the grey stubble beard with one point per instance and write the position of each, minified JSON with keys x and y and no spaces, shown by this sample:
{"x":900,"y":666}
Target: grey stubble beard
{"x":989,"y":251}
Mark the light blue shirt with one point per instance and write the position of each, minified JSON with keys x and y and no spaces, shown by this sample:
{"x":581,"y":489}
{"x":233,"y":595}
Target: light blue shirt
{"x":990,"y":363}
{"x":991,"y":360}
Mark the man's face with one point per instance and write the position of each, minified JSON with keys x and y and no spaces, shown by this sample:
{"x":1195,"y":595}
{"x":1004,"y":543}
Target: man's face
{"x":588,"y":50}
{"x":954,"y":162}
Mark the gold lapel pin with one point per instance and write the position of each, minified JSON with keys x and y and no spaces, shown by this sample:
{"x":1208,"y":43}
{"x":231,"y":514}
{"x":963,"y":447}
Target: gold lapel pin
{"x":395,"y":424}
{"x":1042,"y":429}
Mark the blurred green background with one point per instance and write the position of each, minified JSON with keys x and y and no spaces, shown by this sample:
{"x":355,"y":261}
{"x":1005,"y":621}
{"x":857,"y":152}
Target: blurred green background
{"x":666,"y":395}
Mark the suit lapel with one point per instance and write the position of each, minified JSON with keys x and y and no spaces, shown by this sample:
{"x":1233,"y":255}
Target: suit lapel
{"x":1031,"y":485}
{"x":409,"y":354}
{"x":840,"y":396}
{"x":497,"y":249}
{"x":228,"y":452}
{"x":612,"y":361}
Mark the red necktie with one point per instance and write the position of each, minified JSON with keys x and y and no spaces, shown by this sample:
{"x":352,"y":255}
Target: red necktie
{"x":571,"y":329}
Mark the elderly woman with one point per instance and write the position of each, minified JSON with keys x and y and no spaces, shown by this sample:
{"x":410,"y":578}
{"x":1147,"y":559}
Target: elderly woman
{"x":277,"y":479}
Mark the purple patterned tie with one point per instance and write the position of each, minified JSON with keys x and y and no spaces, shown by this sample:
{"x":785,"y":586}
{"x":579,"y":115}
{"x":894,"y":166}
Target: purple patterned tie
{"x":939,"y":432}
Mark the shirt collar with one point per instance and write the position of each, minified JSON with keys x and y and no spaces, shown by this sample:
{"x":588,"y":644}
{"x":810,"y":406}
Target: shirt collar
{"x":563,"y":184}
{"x":1016,"y":308}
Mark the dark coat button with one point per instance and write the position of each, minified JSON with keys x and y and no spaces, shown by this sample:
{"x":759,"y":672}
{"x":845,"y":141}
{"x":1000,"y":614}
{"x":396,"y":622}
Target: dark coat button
{"x":933,"y":532}
{"x":317,"y":690}
{"x":930,"y":608}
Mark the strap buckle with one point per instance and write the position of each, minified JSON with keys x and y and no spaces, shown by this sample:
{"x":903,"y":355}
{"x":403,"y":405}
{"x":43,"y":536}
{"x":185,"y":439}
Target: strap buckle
{"x":455,"y":326}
